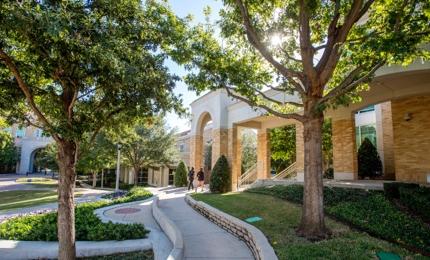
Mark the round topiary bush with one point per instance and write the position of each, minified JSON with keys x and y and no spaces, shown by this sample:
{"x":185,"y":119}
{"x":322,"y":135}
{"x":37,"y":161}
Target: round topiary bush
{"x":220,"y":177}
{"x":369,"y":163}
{"x":181,"y":175}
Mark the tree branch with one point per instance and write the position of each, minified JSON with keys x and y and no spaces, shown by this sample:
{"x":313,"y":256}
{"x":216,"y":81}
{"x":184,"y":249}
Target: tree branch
{"x":26,"y":90}
{"x":268,"y":109}
{"x":256,"y":42}
{"x":349,"y":84}
{"x":306,"y":48}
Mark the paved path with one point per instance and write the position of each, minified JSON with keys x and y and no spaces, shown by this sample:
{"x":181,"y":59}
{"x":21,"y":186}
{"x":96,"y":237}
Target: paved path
{"x":202,"y":238}
{"x":142,"y":213}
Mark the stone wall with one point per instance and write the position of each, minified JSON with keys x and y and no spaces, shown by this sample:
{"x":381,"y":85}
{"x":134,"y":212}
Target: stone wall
{"x":263,"y":154}
{"x":219,"y":144}
{"x":411,"y":127}
{"x":253,"y":237}
{"x":234,"y":155}
{"x":387,"y":140}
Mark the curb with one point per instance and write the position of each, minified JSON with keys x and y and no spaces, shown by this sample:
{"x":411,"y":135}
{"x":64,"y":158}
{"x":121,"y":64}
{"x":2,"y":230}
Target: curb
{"x":171,"y":230}
{"x":12,"y":249}
{"x":252,"y":236}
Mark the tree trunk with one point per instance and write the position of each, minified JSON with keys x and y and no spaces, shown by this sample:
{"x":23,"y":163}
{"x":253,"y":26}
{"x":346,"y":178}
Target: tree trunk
{"x":94,"y":179}
{"x":67,"y":151}
{"x":136,"y":175}
{"x":312,"y":224}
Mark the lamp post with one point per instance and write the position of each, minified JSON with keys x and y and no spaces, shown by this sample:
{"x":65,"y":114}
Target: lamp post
{"x":118,"y":165}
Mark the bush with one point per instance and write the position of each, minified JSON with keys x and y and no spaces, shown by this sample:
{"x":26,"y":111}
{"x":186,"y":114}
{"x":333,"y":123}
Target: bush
{"x":89,"y":227}
{"x":416,"y":200}
{"x":369,"y":163}
{"x":181,"y":175}
{"x":367,"y":210}
{"x":329,"y":173}
{"x":391,"y":189}
{"x":220,"y":177}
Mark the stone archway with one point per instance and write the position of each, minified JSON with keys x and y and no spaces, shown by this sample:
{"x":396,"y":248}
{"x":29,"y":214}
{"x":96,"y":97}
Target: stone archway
{"x":31,"y":167}
{"x":197,"y":141}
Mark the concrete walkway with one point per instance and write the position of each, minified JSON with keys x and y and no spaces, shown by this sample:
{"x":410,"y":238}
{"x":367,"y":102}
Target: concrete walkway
{"x":202,"y":238}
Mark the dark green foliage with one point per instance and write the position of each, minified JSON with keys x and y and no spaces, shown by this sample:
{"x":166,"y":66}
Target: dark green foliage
{"x":329,"y":173}
{"x":369,"y":163}
{"x":141,"y":255}
{"x":220,"y":177}
{"x":417,"y":200}
{"x":391,"y":189}
{"x":181,"y":175}
{"x":369,"y":211}
{"x":8,"y":152}
{"x":283,"y":147}
{"x":88,"y":226}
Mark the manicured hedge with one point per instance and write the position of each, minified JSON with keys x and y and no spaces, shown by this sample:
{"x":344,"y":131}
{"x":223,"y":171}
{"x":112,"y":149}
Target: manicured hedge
{"x":220,"y":176}
{"x":88,"y":226}
{"x":366,"y":210}
{"x":180,"y":178}
{"x":391,"y":189}
{"x":417,"y":200}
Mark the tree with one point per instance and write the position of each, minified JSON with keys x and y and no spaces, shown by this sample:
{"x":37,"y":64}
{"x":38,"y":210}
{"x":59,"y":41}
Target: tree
{"x":96,"y":156}
{"x":147,"y":142}
{"x":46,"y":158}
{"x":8,"y":152}
{"x":283,"y":147}
{"x":73,"y":67}
{"x":181,"y":175}
{"x":369,"y":163}
{"x":249,"y":149}
{"x":319,"y":53}
{"x":220,"y":177}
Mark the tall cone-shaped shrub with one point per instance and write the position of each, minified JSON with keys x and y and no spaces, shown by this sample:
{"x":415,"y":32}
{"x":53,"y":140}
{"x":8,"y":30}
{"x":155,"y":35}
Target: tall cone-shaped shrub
{"x":181,"y":175}
{"x":369,"y":163}
{"x":220,"y":177}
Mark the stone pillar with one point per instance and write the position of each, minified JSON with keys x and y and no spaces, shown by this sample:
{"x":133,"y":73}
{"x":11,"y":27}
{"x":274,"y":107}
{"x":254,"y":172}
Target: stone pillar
{"x":344,"y":149}
{"x":234,"y":155}
{"x":411,"y":124}
{"x":263,"y":154}
{"x":387,"y":140}
{"x":196,"y":152}
{"x":219,"y":144}
{"x":300,"y":152}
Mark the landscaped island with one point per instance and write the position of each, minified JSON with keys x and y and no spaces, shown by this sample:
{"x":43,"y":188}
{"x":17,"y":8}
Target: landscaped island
{"x":89,"y":227}
{"x":361,"y":210}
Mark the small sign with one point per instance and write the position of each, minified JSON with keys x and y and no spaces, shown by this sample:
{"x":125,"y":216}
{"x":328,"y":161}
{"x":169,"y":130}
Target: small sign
{"x":253,"y":219}
{"x":387,"y":256}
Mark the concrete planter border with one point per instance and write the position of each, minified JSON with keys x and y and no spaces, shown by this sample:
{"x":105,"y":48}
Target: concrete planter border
{"x":253,"y":237}
{"x":12,"y":249}
{"x":171,"y":230}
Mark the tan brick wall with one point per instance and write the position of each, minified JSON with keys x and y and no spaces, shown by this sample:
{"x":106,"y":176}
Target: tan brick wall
{"x":412,"y":138}
{"x":300,"y":148}
{"x":263,"y":154}
{"x":196,"y":152}
{"x":344,"y":150}
{"x":234,"y":155}
{"x":387,"y":140}
{"x":219,"y":144}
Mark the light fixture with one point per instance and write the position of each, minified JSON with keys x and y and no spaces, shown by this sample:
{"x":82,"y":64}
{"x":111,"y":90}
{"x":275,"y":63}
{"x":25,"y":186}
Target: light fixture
{"x":408,"y":116}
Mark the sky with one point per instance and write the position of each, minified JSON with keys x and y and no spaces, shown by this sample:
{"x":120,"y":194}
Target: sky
{"x":183,"y":8}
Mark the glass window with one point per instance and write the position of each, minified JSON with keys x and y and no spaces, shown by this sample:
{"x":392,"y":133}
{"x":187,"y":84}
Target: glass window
{"x":38,"y":133}
{"x":181,"y":148}
{"x":367,"y":109}
{"x":20,"y":132}
{"x":365,"y":131}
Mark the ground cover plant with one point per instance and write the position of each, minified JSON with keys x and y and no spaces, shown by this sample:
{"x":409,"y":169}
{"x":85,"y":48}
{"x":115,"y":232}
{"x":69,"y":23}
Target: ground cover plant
{"x":280,"y":220}
{"x":369,"y":211}
{"x":89,"y":227}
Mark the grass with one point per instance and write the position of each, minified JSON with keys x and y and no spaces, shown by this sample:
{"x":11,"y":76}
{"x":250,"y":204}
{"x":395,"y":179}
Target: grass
{"x":26,"y":198}
{"x":142,"y":255}
{"x":38,"y":182}
{"x":281,"y":218}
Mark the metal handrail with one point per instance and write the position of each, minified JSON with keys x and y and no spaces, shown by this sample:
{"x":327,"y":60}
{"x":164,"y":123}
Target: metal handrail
{"x":248,"y":177}
{"x":290,"y":169}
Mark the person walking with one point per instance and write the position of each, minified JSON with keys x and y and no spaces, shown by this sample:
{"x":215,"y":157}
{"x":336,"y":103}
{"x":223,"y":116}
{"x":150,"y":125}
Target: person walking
{"x":191,"y":179}
{"x":200,"y":179}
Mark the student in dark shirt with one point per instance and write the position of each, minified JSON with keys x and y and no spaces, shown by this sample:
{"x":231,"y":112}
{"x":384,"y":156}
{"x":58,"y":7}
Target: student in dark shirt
{"x":200,"y":179}
{"x":191,"y":179}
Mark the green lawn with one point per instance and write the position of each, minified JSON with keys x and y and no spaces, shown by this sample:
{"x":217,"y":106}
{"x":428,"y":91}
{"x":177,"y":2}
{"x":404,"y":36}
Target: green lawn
{"x":38,"y":182}
{"x":27,"y":198}
{"x":281,"y":218}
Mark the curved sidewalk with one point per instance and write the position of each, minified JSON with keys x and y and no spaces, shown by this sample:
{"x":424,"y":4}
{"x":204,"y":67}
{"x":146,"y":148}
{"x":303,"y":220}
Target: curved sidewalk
{"x":202,"y":238}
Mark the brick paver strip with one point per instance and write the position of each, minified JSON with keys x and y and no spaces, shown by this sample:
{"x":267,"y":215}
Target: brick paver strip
{"x":127,"y":210}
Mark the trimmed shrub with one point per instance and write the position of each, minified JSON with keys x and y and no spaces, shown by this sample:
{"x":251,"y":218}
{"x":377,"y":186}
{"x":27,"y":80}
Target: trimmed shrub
{"x":89,"y":227}
{"x":369,"y":163}
{"x":181,"y":175}
{"x":416,"y":200}
{"x":391,"y":189}
{"x":220,"y":177}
